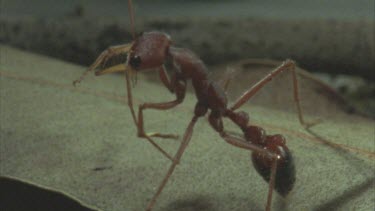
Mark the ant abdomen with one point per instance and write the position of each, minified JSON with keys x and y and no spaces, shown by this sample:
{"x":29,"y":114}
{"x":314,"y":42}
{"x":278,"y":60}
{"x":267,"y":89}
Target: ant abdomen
{"x":285,"y":174}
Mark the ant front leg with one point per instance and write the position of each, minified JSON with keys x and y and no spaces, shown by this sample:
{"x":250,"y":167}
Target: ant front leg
{"x":139,"y":122}
{"x":174,"y":85}
{"x":286,"y":65}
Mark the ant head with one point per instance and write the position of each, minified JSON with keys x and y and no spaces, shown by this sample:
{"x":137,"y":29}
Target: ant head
{"x":149,"y":50}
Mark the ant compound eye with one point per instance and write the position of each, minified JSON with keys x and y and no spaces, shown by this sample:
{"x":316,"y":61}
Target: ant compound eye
{"x":135,"y":61}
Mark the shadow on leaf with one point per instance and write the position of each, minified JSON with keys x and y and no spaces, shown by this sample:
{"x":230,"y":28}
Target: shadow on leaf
{"x":17,"y":195}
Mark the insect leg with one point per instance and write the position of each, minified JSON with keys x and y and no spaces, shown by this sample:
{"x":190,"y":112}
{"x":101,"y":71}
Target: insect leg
{"x":130,"y":104}
{"x":286,"y":65}
{"x":177,"y":86}
{"x":176,"y":160}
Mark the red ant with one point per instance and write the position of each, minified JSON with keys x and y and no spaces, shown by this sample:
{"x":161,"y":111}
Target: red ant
{"x":152,"y":50}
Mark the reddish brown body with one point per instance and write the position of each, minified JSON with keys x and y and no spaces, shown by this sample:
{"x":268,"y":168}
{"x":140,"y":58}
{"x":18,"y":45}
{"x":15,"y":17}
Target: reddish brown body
{"x":152,"y":49}
{"x":270,"y":155}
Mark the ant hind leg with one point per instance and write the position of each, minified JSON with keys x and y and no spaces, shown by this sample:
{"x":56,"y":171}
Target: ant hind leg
{"x":286,"y":65}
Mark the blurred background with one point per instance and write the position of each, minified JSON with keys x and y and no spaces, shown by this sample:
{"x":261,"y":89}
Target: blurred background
{"x":333,"y":39}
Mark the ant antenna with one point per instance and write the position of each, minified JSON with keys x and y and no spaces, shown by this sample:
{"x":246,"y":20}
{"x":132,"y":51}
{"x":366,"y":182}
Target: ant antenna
{"x":131,"y":15}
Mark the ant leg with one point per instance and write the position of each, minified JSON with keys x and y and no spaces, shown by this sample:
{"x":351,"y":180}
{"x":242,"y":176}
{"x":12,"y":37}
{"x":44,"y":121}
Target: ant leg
{"x":177,"y":86}
{"x":286,"y":65}
{"x":165,"y":79}
{"x":271,"y":184}
{"x":176,"y":160}
{"x":130,"y":104}
{"x":159,"y":106}
{"x":103,"y":58}
{"x":239,"y":142}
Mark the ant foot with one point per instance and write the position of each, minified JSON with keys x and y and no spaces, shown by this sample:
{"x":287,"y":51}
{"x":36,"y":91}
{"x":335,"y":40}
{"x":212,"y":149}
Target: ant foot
{"x":289,"y":62}
{"x":158,"y":135}
{"x":166,"y":136}
{"x":307,"y":126}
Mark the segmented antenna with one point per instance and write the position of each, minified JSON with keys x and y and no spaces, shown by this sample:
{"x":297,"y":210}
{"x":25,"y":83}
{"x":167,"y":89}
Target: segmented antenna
{"x":131,"y":15}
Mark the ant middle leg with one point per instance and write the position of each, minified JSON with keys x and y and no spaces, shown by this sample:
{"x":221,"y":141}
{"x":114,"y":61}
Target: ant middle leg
{"x":286,"y":65}
{"x":199,"y":111}
{"x":185,"y":141}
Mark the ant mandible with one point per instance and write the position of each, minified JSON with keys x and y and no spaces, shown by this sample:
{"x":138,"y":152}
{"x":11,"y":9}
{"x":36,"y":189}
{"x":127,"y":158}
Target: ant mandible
{"x":152,"y":50}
